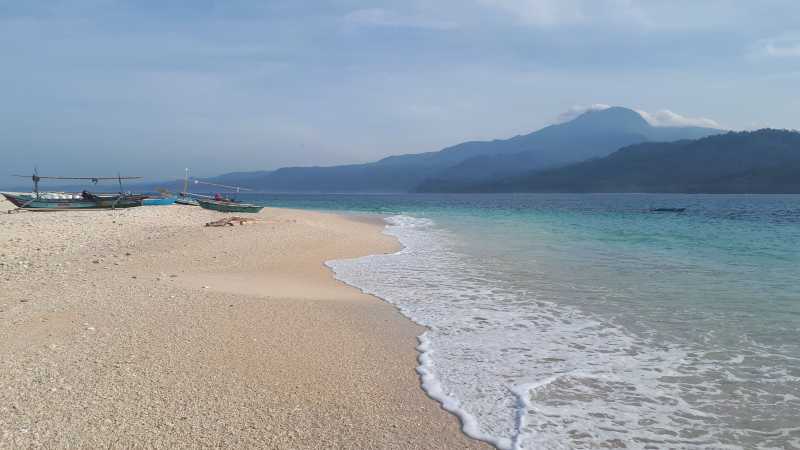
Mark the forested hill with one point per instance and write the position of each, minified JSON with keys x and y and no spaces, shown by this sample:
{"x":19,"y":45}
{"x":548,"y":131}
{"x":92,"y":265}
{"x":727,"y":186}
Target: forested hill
{"x":764,"y":161}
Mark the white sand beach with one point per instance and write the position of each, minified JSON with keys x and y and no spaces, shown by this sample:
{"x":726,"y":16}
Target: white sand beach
{"x":143,"y":328}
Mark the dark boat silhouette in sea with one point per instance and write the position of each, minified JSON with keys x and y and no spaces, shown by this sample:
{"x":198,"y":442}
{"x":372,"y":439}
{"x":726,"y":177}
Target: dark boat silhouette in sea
{"x":675,"y":210}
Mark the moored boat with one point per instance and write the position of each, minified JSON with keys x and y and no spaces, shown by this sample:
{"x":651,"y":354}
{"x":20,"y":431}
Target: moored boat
{"x":188,"y":201}
{"x":185,"y":197}
{"x":44,"y":203}
{"x":216,"y":203}
{"x":158,"y":201}
{"x":677,"y":210}
{"x":60,"y":201}
{"x":228,"y":206}
{"x":26,"y":201}
{"x":112,"y":201}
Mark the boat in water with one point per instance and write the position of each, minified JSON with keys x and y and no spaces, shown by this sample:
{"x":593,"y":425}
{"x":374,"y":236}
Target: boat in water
{"x":675,"y":210}
{"x":229,"y":206}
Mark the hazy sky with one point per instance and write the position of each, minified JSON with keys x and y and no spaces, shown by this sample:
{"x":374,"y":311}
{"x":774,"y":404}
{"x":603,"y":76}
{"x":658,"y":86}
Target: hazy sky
{"x":150,"y":87}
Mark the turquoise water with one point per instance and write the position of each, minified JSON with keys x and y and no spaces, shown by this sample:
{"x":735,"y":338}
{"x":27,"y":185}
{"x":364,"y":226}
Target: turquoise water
{"x":580,"y":321}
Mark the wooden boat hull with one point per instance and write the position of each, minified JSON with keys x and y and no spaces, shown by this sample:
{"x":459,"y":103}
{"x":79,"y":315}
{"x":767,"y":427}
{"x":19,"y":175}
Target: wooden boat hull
{"x":113,"y":201}
{"x":58,"y":204}
{"x":186,"y":201}
{"x":229,"y":206}
{"x":158,"y":201}
{"x":31,"y":202}
{"x":120,"y":203}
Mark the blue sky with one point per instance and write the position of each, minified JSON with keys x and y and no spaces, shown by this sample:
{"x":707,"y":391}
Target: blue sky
{"x":151,"y":87}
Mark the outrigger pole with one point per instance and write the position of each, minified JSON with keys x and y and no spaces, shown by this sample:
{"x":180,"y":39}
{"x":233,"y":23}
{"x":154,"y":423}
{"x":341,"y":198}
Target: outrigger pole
{"x":237,"y":188}
{"x":186,"y":183}
{"x":36,"y":178}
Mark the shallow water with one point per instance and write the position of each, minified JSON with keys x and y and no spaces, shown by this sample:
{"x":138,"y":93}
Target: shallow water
{"x":580,"y":321}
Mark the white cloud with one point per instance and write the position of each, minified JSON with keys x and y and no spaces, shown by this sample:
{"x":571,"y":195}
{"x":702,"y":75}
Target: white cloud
{"x":667,"y":118}
{"x":540,"y":12}
{"x":549,"y":13}
{"x":661,"y":118}
{"x":638,"y":14}
{"x":783,"y":46}
{"x":379,"y":17}
{"x":576,"y":111}
{"x":783,"y":76}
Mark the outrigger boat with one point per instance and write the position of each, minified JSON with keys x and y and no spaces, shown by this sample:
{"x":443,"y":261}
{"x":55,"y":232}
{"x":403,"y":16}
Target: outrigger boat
{"x":675,"y":210}
{"x":185,"y":197}
{"x":27,"y":201}
{"x":222,"y":204}
{"x":187,"y":201}
{"x":61,"y":202}
{"x":114,"y":200}
{"x":229,"y":206}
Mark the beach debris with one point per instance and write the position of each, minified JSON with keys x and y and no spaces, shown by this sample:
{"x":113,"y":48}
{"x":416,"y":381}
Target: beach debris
{"x":231,"y":221}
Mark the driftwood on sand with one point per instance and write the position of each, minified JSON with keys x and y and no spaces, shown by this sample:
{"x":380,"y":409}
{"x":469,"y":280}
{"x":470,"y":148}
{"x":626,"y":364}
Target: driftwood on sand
{"x":231,"y":221}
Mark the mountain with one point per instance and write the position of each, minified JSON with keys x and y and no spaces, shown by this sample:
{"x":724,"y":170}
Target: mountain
{"x":594,"y":134}
{"x":764,"y":161}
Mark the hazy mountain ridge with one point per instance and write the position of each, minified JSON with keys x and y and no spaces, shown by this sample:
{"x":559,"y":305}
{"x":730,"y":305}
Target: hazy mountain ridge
{"x":593,"y":134}
{"x":764,"y":161}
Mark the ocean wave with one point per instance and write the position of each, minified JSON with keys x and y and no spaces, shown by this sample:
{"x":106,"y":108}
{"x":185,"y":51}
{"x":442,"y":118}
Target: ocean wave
{"x":524,"y":372}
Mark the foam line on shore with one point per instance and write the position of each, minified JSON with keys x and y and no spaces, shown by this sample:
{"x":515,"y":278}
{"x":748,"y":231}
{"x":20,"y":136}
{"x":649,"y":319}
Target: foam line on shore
{"x":430,"y":384}
{"x":433,"y":387}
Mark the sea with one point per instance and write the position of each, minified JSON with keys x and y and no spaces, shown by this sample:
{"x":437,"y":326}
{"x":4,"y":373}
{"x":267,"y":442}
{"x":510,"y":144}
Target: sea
{"x":592,"y":321}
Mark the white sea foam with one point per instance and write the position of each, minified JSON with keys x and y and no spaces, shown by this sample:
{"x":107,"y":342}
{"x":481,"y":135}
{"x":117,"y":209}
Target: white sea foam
{"x":523,"y":373}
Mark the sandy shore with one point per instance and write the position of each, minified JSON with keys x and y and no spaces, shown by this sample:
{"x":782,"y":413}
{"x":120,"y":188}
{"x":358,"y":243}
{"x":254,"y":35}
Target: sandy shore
{"x":142,"y":328}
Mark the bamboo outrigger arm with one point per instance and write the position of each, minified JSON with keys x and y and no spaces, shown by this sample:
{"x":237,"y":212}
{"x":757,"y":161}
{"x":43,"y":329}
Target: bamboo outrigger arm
{"x":36,"y":178}
{"x":237,"y":188}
